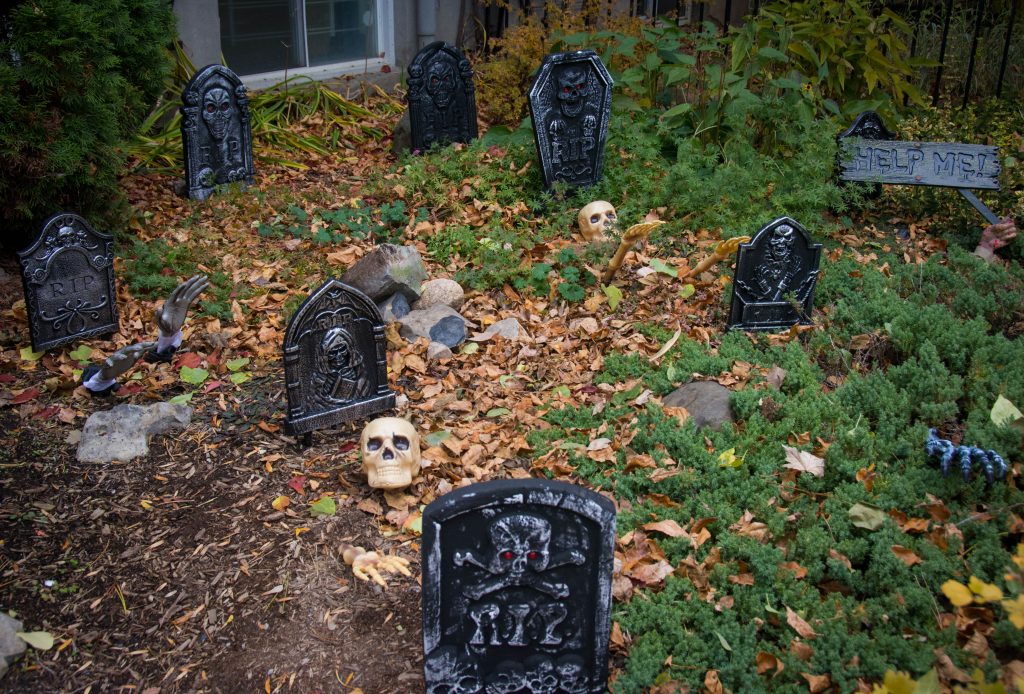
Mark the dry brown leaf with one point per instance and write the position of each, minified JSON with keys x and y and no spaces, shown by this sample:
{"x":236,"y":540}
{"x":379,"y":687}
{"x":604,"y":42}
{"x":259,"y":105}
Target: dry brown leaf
{"x":804,"y":461}
{"x":798,"y":624}
{"x":817,"y":683}
{"x":801,"y":650}
{"x":651,"y":574}
{"x":905,"y":555}
{"x":712,"y":685}
{"x":766,"y":662}
{"x":666,"y":527}
{"x":749,"y":527}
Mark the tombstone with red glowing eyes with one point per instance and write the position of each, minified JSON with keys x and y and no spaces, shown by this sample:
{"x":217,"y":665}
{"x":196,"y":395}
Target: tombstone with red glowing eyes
{"x":517,"y":588}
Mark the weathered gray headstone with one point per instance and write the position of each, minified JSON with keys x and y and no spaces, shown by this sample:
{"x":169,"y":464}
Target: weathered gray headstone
{"x":123,"y":433}
{"x":68,"y":275}
{"x":776,"y":273}
{"x":335,"y":360}
{"x":571,"y":102}
{"x":442,"y":100}
{"x":517,"y":588}
{"x":216,"y":131}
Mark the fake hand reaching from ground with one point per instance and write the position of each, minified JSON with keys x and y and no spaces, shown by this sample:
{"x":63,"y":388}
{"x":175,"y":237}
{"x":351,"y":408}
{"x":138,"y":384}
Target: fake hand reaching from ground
{"x":366,"y":566}
{"x":996,"y":236}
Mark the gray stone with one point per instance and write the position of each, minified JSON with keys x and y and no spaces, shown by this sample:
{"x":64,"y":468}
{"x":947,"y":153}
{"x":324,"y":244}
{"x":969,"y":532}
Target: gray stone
{"x":441,"y":292}
{"x":11,"y":645}
{"x":706,"y":401}
{"x":401,"y":138}
{"x":438,"y":351}
{"x":438,"y":324}
{"x":394,"y":307}
{"x":123,"y":432}
{"x":508,"y":328}
{"x":388,"y":269}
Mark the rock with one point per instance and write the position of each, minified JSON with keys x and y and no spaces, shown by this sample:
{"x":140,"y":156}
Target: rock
{"x":438,"y":351}
{"x":388,"y":269}
{"x":706,"y":401}
{"x":508,"y":328}
{"x":401,"y":138}
{"x":11,"y":645}
{"x":123,"y":432}
{"x":394,"y":307}
{"x":441,"y":292}
{"x":438,"y":324}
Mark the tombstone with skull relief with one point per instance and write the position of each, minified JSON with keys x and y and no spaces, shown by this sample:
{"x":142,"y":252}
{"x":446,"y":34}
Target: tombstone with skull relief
{"x":596,"y":219}
{"x":571,"y":101}
{"x":517,"y":588}
{"x":442,"y":100}
{"x":776,"y":273}
{"x":68,"y":276}
{"x":390,"y":448}
{"x":335,"y":360}
{"x":216,"y":132}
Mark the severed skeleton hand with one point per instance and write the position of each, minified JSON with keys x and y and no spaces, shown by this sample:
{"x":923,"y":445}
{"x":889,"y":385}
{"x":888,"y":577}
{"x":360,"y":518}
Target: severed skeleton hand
{"x":171,"y":315}
{"x":366,"y":566}
{"x":101,"y":379}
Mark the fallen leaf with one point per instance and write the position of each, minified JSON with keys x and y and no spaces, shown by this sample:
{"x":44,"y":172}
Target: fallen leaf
{"x":804,"y":461}
{"x":957,"y":592}
{"x":1005,"y":413}
{"x":281,"y":503}
{"x":798,"y":624}
{"x":817,"y":683}
{"x":667,"y":527}
{"x":39,"y":640}
{"x":867,"y":517}
{"x":905,"y":555}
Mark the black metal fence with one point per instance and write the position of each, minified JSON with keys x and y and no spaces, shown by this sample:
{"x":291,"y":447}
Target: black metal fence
{"x":977,"y":44}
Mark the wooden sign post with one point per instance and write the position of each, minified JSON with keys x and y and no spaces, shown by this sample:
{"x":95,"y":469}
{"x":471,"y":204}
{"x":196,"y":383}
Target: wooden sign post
{"x":943,"y":164}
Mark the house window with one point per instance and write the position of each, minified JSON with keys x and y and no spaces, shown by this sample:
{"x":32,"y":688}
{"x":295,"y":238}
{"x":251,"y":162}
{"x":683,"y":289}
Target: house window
{"x":272,"y":36}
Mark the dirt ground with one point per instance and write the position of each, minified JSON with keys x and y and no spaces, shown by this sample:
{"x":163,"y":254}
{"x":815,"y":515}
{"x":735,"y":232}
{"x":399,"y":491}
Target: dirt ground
{"x":167,"y":574}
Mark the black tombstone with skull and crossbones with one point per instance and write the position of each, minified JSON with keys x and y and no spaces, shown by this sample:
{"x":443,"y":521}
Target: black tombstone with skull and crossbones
{"x":520,"y":543}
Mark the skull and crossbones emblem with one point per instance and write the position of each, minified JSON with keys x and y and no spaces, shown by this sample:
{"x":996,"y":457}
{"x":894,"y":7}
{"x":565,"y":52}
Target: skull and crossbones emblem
{"x":520,"y":556}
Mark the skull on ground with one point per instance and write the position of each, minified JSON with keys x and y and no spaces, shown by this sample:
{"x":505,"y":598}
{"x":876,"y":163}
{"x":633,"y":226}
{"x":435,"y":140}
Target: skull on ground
{"x":390,"y":448}
{"x":595,"y":219}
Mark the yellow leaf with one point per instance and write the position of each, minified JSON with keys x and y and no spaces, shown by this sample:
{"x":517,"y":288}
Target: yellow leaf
{"x":145,"y":504}
{"x":957,"y":593}
{"x":899,"y":683}
{"x":281,"y":503}
{"x":1015,"y":611}
{"x":299,"y":531}
{"x":986,"y":592}
{"x":729,"y":459}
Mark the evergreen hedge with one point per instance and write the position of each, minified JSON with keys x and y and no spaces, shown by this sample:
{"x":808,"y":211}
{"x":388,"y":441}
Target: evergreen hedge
{"x":76,"y":76}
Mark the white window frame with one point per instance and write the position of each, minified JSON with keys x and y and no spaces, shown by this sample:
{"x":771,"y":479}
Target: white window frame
{"x":385,"y":43}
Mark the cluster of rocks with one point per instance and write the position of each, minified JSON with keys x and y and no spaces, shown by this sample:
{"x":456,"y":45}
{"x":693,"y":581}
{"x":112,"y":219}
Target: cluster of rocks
{"x":396,"y":280}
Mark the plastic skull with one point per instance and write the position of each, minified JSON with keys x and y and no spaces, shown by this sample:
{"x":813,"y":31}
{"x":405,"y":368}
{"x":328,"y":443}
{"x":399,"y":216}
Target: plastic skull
{"x":217,"y":111}
{"x":595,"y":219}
{"x":391,"y":453}
{"x":541,"y":676}
{"x":573,"y":88}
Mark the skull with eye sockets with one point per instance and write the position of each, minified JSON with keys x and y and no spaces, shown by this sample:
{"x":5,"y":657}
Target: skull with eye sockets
{"x":596,"y":219}
{"x":391,"y":453}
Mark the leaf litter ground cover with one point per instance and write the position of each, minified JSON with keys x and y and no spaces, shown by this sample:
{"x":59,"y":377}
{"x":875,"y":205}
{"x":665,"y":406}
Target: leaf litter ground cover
{"x":214,"y":563}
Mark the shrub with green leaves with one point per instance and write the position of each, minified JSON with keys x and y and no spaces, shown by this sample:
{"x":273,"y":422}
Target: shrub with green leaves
{"x":76,"y":77}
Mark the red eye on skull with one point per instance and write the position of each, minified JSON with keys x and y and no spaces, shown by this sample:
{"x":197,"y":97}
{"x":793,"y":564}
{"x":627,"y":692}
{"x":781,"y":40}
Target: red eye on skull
{"x":579,"y":86}
{"x":532,"y":555}
{"x":224,"y":106}
{"x":507,"y":554}
{"x":210,"y":108}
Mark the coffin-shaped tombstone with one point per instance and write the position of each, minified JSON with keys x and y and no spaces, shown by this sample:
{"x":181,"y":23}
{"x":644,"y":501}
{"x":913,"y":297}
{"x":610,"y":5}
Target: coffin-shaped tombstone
{"x":216,"y":131}
{"x":335,"y":360}
{"x":442,"y":100}
{"x":517,"y":588}
{"x":775,"y":277}
{"x":571,"y":101}
{"x":68,"y":275}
